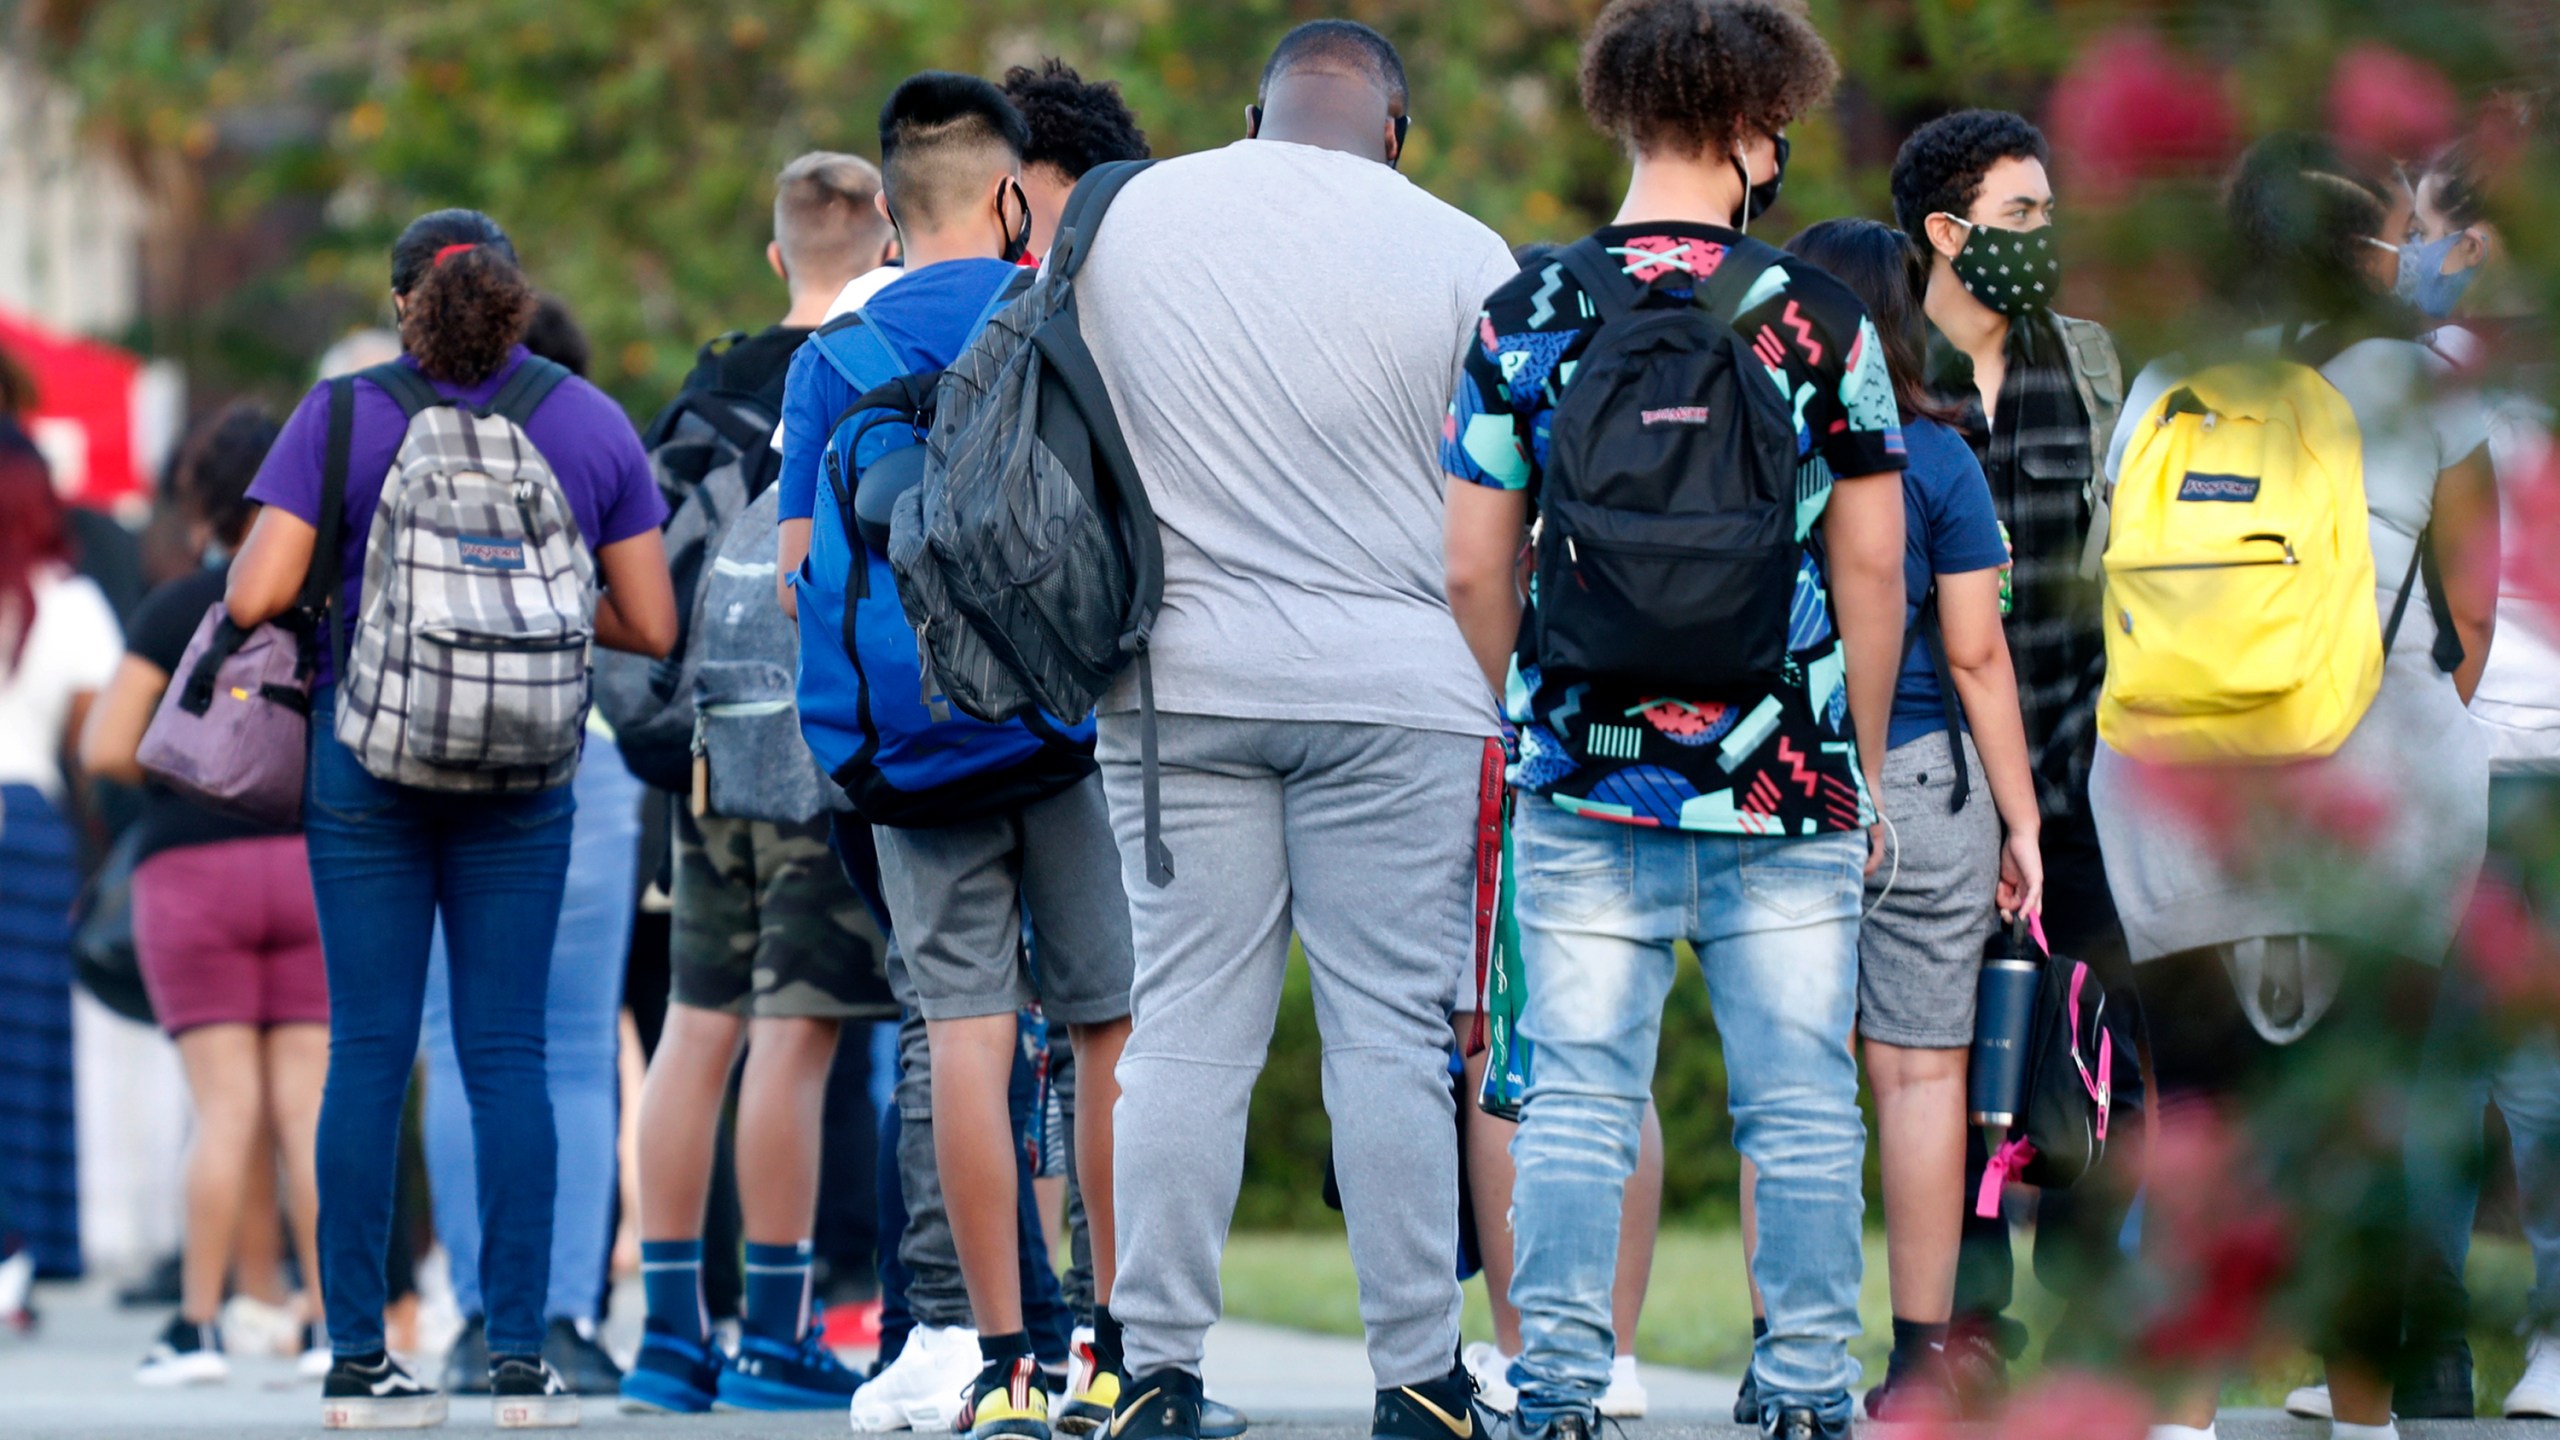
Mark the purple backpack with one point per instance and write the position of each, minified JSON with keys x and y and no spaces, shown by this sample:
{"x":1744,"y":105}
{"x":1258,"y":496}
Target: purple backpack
{"x":233,"y":730}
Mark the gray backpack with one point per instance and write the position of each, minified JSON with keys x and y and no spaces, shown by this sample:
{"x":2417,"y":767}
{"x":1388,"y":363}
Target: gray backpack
{"x":1028,"y":558}
{"x":751,"y":761}
{"x":710,"y":451}
{"x":469,"y":663}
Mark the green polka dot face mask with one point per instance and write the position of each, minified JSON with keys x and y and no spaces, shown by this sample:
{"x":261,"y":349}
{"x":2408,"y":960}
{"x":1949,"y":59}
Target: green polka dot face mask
{"x":2015,"y":272}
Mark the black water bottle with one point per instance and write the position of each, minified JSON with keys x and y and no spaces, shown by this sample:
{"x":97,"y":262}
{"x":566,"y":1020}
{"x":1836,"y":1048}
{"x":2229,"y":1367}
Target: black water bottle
{"x":2004,"y":1013}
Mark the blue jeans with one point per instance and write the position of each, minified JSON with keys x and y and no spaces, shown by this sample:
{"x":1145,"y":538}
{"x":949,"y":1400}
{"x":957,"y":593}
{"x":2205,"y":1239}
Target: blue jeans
{"x":1775,"y":924}
{"x":582,"y":1043}
{"x":386,"y":861}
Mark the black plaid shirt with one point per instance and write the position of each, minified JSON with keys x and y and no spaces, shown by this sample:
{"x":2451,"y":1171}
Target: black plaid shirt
{"x":2038,"y":462}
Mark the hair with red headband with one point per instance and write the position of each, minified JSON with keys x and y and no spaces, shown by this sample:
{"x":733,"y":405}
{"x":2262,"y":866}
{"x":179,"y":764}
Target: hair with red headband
{"x":464,"y":302}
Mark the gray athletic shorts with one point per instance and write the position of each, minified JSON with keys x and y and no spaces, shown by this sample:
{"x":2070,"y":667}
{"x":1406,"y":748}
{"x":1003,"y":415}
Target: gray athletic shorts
{"x":1920,"y":947}
{"x":958,"y":896}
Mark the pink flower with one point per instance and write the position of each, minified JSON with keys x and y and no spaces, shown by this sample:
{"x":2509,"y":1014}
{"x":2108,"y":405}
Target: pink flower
{"x":2130,"y":109}
{"x":2385,"y":102}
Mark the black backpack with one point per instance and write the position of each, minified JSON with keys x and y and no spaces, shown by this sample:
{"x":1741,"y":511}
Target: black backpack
{"x":711,"y":452}
{"x":1028,"y":558}
{"x":1666,"y":547}
{"x":2073,"y":1074}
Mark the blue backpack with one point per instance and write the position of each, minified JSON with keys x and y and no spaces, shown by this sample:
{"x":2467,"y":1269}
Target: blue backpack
{"x":905,"y":756}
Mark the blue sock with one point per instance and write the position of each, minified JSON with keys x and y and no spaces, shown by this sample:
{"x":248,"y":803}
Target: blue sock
{"x":778,"y":1290}
{"x":671,"y":1281}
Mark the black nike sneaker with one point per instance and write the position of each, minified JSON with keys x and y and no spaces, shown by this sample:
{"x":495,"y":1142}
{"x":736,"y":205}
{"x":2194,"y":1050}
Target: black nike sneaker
{"x":1159,"y":1405}
{"x":1746,"y":1401}
{"x":1442,"y":1409}
{"x":377,"y":1395}
{"x":525,"y":1393}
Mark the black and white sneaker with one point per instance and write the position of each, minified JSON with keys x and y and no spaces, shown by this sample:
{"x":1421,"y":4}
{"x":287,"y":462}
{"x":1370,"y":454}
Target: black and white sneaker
{"x":525,"y":1393}
{"x":185,"y":1354}
{"x":1442,"y":1409}
{"x":377,"y":1395}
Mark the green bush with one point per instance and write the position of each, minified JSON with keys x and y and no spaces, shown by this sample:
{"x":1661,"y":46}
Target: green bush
{"x":1285,"y":1149}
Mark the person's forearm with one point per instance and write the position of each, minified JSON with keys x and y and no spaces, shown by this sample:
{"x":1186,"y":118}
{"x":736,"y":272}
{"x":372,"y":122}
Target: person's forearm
{"x":1871,"y":635}
{"x":1989,"y":694}
{"x":2476,"y":637}
{"x":1488,"y":615}
{"x":791,"y":551}
{"x":615,"y":631}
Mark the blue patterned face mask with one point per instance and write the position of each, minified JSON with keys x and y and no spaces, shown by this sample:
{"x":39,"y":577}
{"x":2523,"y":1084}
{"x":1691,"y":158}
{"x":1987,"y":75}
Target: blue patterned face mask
{"x":2422,"y":281}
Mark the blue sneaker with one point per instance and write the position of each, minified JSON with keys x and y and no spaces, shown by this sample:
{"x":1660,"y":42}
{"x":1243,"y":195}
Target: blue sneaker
{"x":671,"y":1376}
{"x":766,"y":1374}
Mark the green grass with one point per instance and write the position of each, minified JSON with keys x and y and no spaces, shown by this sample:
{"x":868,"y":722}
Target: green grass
{"x":1698,"y":1314}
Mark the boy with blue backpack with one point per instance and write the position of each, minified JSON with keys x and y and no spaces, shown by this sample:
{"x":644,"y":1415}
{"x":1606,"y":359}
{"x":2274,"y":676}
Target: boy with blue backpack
{"x":978,"y":826}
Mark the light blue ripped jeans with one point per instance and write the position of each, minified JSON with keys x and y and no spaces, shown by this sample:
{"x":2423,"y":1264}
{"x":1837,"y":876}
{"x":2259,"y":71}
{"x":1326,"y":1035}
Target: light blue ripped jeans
{"x":1775,"y":923}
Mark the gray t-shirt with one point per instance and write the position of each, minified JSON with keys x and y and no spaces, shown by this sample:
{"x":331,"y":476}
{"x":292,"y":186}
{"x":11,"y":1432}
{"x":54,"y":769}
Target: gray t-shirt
{"x":1280,"y":327}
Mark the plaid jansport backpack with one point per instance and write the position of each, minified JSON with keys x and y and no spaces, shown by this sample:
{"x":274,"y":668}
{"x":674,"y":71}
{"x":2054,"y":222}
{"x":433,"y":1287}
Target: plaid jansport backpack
{"x":469,"y":669}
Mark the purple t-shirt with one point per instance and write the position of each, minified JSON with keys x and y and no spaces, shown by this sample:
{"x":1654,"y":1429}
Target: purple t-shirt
{"x":581,"y":432}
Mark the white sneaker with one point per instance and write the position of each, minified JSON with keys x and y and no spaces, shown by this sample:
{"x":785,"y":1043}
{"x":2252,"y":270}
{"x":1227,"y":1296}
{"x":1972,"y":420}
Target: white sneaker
{"x":184,"y":1355}
{"x":1492,"y":1369}
{"x":924,"y":1388}
{"x":2537,"y":1395}
{"x":1625,"y":1397}
{"x":251,"y":1326}
{"x":2311,"y":1402}
{"x":2181,"y":1432}
{"x":17,"y":1282}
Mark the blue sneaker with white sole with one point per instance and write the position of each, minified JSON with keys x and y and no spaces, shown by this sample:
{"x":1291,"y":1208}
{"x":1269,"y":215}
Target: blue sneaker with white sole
{"x":766,"y":1374}
{"x":671,"y":1376}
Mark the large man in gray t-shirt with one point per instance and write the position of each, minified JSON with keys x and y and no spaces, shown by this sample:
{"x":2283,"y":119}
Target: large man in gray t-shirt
{"x":1280,"y":323}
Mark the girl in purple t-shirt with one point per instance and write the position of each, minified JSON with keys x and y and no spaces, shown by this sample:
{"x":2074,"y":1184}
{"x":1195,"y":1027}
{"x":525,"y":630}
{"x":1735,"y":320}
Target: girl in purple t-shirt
{"x":386,"y":858}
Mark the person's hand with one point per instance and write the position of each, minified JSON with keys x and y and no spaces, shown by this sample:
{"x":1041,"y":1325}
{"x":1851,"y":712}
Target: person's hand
{"x":2021,"y":875}
{"x":1875,"y":832}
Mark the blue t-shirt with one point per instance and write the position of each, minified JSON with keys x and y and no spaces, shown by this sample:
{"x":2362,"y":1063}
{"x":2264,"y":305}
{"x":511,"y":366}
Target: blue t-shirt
{"x":927,"y":316}
{"x":1948,"y":528}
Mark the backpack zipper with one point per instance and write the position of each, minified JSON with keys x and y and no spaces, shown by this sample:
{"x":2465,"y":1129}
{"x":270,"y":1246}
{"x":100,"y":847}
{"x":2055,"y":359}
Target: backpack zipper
{"x":2288,"y":558}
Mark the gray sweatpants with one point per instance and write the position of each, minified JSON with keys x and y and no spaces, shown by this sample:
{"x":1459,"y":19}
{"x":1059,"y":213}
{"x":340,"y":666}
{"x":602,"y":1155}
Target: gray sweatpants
{"x":1361,"y":838}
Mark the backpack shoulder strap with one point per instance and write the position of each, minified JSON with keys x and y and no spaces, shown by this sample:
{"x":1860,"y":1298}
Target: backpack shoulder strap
{"x":1086,"y":206}
{"x":1745,"y":261}
{"x":1601,"y":277}
{"x":853,"y":347}
{"x":2097,"y":372}
{"x":320,"y":583}
{"x":525,"y":390}
{"x":1014,"y":288}
{"x":407,"y":388}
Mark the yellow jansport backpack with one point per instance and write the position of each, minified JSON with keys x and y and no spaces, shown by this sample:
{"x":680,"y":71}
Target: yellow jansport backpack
{"x":2239,"y":576}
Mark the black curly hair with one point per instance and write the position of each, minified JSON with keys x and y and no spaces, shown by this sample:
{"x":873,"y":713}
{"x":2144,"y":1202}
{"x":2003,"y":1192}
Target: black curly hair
{"x":1940,"y":168}
{"x":217,"y":463}
{"x":1696,"y":77}
{"x":1076,"y":124}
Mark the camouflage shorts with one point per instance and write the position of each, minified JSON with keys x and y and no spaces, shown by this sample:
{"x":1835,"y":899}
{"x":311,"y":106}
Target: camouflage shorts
{"x":766,"y":925}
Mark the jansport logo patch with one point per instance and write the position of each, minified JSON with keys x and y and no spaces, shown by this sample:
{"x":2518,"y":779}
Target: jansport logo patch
{"x":1676,"y":415}
{"x":489,"y":552}
{"x":2235,"y":489}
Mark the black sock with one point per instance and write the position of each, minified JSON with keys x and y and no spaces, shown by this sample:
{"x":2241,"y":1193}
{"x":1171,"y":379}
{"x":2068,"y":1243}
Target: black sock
{"x":1107,"y":1354}
{"x":1913,"y":1340}
{"x":369,"y":1360}
{"x":998,"y":1351}
{"x":1759,"y":1328}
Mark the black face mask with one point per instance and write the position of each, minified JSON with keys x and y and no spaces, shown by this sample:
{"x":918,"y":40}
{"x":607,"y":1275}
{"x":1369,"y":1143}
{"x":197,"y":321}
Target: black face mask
{"x":1758,"y":199}
{"x":1017,"y":241}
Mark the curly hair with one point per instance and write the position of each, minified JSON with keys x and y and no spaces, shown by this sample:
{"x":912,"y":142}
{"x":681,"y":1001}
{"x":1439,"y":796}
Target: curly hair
{"x":1075,"y":124}
{"x":1940,"y":168}
{"x":465,"y":304}
{"x":217,"y":464}
{"x":1693,"y":77}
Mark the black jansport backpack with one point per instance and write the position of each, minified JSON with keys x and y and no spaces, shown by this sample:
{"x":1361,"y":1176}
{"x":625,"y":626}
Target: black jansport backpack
{"x":1028,"y":558}
{"x":1666,"y":549}
{"x":711,"y":452}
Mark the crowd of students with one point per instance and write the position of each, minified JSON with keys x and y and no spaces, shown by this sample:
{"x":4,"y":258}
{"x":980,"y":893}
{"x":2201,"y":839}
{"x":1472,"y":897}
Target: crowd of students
{"x":1743,"y":597}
